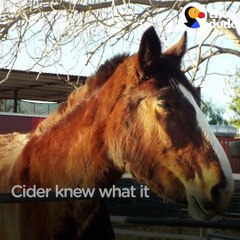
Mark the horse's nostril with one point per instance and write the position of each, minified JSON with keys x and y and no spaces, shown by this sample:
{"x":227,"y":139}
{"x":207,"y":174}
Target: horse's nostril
{"x":216,"y":193}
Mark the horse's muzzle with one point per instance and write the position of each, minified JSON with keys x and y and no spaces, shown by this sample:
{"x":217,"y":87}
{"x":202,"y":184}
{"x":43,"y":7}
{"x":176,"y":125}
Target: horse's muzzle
{"x":202,"y":207}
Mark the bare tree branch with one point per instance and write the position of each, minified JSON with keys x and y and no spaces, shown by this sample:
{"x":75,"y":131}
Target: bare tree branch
{"x":222,"y":50}
{"x":50,"y":6}
{"x":199,"y":55}
{"x":44,"y":29}
{"x":202,"y":59}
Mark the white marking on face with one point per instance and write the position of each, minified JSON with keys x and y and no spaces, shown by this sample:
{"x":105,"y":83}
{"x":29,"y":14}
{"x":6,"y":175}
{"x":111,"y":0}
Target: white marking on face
{"x":208,"y":133}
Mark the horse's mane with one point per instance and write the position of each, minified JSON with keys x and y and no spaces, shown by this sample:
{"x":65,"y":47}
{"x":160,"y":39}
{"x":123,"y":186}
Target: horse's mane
{"x":105,"y":71}
{"x":83,"y":92}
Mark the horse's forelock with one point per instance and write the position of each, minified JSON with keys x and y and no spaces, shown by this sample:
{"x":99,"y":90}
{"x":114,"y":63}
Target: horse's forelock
{"x":174,"y":76}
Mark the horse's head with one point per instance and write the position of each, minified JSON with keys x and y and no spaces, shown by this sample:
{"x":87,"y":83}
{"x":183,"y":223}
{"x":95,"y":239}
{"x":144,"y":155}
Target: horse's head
{"x":157,"y":132}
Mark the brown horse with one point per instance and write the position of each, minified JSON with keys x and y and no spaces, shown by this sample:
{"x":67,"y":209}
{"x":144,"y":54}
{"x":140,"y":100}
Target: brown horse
{"x":138,"y":114}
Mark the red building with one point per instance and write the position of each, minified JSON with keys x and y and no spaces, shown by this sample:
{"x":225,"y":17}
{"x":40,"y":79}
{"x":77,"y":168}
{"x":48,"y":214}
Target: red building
{"x":234,"y":159}
{"x":227,"y":135}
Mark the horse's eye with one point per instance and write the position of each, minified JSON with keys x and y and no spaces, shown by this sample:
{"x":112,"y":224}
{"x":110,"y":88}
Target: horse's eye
{"x":166,"y":106}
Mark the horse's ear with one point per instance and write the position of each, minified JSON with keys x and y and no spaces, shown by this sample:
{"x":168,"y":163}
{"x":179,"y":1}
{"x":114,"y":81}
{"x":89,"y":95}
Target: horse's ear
{"x":177,"y":51}
{"x":149,"y":52}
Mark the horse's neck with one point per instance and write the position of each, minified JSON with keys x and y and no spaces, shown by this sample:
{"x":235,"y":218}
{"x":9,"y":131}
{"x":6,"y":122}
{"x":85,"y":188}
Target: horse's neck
{"x":71,"y":149}
{"x":70,"y":154}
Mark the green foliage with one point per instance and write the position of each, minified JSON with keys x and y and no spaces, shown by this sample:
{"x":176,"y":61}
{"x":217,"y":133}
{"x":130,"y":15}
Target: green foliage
{"x":213,"y":113}
{"x":234,"y":105}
